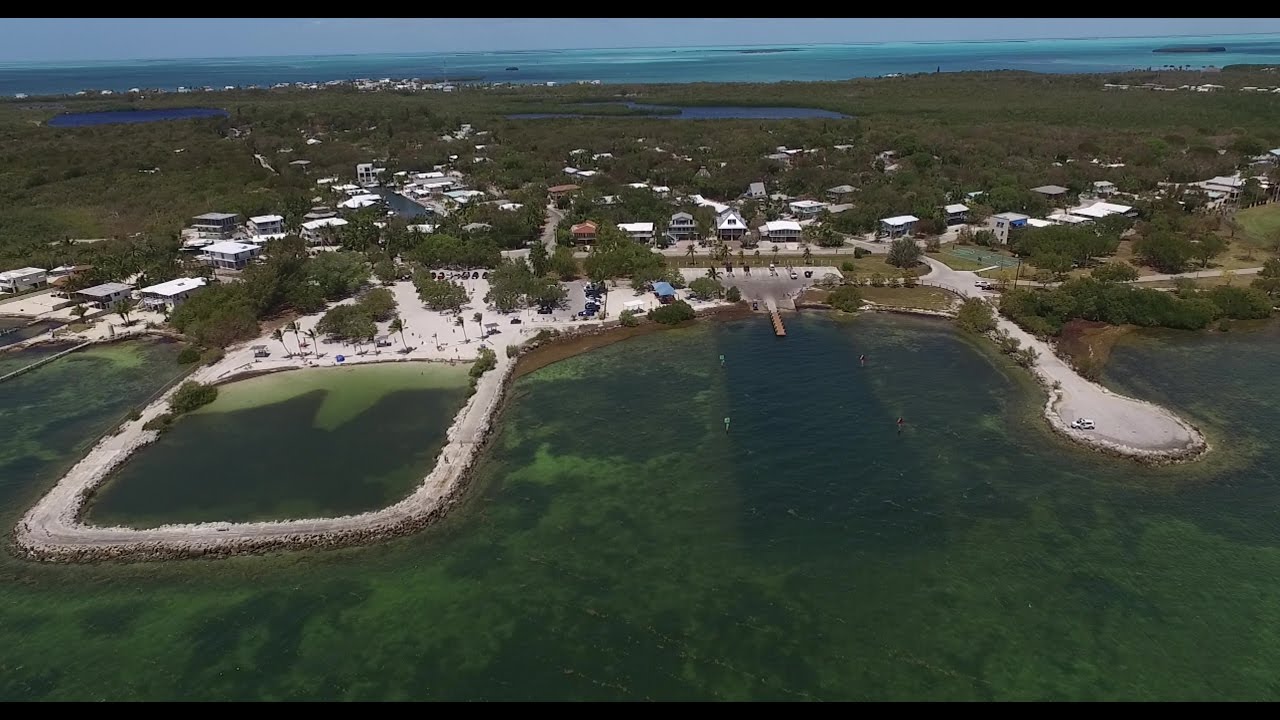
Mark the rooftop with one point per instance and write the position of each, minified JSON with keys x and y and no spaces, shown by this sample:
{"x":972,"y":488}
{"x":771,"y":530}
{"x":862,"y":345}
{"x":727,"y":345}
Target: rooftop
{"x":174,"y":287}
{"x":897,"y":220}
{"x":1050,"y":190}
{"x":841,"y":189}
{"x":1011,"y":216}
{"x":230,"y":248}
{"x":216,"y":216}
{"x":774,"y":226}
{"x":106,"y":289}
{"x":956,"y":208}
{"x":807,"y":204}
{"x":636,"y":227}
{"x":260,"y":219}
{"x":323,"y":222}
{"x":19,"y":273}
{"x":664,"y":288}
{"x":561,"y":188}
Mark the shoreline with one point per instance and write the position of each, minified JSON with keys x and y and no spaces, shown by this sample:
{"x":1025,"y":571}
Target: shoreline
{"x":52,"y":530}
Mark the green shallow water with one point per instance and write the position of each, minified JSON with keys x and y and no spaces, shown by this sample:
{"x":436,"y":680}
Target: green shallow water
{"x":618,"y":543}
{"x":306,"y":443}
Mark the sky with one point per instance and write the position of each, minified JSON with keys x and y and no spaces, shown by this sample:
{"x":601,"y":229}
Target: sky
{"x":73,"y":39}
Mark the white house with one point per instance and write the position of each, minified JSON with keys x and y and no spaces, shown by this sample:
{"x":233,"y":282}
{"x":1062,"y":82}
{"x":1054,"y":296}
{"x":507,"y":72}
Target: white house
{"x":1102,"y":209}
{"x":898,"y":225}
{"x":805,"y":209}
{"x":215,"y":225}
{"x":682,"y":226}
{"x":22,"y":279}
{"x":840,"y":193}
{"x":781,"y":230}
{"x":956,"y":213}
{"x":170,"y":294}
{"x":367,"y":174}
{"x":266,"y":225}
{"x":105,"y":295}
{"x":638,"y":231}
{"x":730,"y":225}
{"x":510,"y":206}
{"x":661,"y":190}
{"x":231,"y":255}
{"x":1001,"y":223}
{"x":756,"y":190}
{"x":1104,"y":187}
{"x":318,"y":231}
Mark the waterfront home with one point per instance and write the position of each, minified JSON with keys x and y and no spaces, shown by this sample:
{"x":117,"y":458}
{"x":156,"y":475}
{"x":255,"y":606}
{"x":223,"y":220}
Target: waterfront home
{"x":638,"y":231}
{"x":510,"y":206}
{"x":22,"y":279}
{"x":1061,"y":218}
{"x":1001,"y":223}
{"x":462,"y":197}
{"x":840,"y":193}
{"x":682,"y":226}
{"x":231,"y":255}
{"x":360,"y":202}
{"x":755,"y":190}
{"x":105,"y":295}
{"x":1104,"y":187}
{"x":898,"y":225}
{"x":367,"y":174}
{"x":584,"y":232}
{"x":265,"y":225}
{"x":730,"y":225}
{"x":781,"y":230}
{"x":169,"y":295}
{"x":320,"y":230}
{"x":664,"y":291}
{"x":215,"y":225}
{"x":956,"y":213}
{"x":806,"y":209}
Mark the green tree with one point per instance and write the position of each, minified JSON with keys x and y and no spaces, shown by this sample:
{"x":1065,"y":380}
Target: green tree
{"x":458,"y":321}
{"x":672,"y":313}
{"x":379,"y":303}
{"x":807,"y":255}
{"x":628,"y":318}
{"x":478,"y":318}
{"x":1207,"y":246}
{"x":398,"y":326}
{"x":385,"y":271}
{"x":292,"y":327}
{"x":278,"y":336}
{"x":190,"y":396}
{"x":846,"y":298}
{"x":733,"y":294}
{"x":705,"y":288}
{"x":538,"y":259}
{"x":713,"y":273}
{"x":442,"y":295}
{"x":315,"y":341}
{"x":338,"y":274}
{"x":563,"y":265}
{"x":976,"y":316}
{"x":122,"y":309}
{"x":546,"y":292}
{"x":79,"y":311}
{"x":1118,"y":271}
{"x":904,"y":253}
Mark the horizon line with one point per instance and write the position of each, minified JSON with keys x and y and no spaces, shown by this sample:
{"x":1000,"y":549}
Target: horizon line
{"x":635,"y":47}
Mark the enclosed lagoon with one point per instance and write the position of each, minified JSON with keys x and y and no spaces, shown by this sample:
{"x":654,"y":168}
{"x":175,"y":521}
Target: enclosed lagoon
{"x":618,"y":543}
{"x":306,"y":443}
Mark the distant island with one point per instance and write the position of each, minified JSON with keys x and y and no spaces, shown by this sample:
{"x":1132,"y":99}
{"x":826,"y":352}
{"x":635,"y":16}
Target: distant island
{"x":1191,"y":49}
{"x":767,"y":51}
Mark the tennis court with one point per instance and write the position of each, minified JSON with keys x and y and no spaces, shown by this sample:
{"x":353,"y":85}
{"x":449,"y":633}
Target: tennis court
{"x":986,"y":257}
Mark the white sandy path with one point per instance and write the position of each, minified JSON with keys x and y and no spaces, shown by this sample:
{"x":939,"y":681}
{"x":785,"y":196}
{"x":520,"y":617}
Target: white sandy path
{"x":1124,"y":425}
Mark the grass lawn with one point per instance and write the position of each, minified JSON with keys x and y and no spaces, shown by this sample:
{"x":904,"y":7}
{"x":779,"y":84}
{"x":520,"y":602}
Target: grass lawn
{"x":927,"y":298}
{"x":1260,"y":224}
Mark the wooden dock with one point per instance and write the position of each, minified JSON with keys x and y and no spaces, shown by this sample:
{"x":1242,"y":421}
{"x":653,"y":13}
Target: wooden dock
{"x":778,"y":329}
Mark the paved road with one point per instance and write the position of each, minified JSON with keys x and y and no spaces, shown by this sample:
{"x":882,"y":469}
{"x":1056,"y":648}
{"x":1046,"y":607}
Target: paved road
{"x":263,"y":162}
{"x":554,"y":216}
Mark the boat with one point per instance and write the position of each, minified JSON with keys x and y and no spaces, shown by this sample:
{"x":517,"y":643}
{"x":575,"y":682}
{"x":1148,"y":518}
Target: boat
{"x":513,"y":67}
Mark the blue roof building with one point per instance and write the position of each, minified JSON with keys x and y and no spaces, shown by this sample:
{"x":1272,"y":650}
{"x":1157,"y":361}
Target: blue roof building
{"x":664,"y":291}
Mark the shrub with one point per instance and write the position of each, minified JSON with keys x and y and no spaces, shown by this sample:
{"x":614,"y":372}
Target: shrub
{"x":877,"y":280}
{"x":848,"y":266}
{"x":860,"y":252}
{"x":487,"y":361}
{"x":134,"y":415}
{"x":628,"y":318}
{"x":190,"y":396}
{"x":672,"y":314}
{"x":733,"y":294}
{"x":189,"y":354}
{"x":976,"y":316}
{"x":846,"y":298}
{"x":159,"y":423}
{"x":513,"y":350}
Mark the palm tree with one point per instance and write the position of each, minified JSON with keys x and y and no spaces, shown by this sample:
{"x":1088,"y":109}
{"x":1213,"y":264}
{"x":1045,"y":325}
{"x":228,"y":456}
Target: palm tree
{"x":397,"y":326}
{"x":713,"y":273}
{"x":775,"y":253}
{"x":278,"y":336}
{"x":479,"y":320}
{"x":79,"y":311}
{"x":459,"y":323}
{"x":691,"y":252}
{"x":807,"y":254}
{"x":293,"y":328}
{"x":121,"y":308}
{"x":742,"y":257}
{"x":315,"y":343}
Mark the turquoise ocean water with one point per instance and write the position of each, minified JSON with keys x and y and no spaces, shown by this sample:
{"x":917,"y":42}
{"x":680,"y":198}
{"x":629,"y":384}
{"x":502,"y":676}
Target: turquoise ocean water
{"x":646,"y":65}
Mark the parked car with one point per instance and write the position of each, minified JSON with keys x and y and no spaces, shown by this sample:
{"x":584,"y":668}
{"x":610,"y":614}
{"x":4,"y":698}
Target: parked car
{"x":807,"y":273}
{"x":1082,"y":424}
{"x":544,"y":310}
{"x":794,"y":276}
{"x":515,"y":321}
{"x":586,"y":313}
